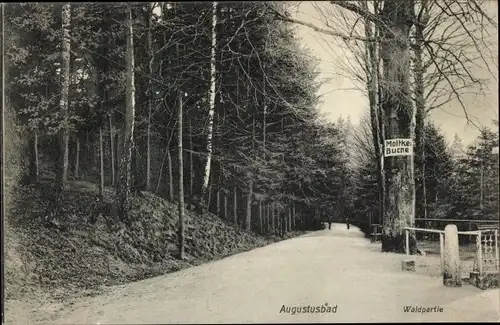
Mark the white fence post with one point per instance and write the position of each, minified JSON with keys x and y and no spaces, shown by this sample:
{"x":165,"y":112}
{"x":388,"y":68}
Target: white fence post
{"x":441,"y":250}
{"x":479,"y":253}
{"x":497,"y":261}
{"x":407,"y":242}
{"x":452,"y":275}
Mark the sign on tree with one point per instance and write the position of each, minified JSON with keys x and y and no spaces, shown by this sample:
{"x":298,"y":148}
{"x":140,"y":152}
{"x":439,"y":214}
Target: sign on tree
{"x":398,"y":147}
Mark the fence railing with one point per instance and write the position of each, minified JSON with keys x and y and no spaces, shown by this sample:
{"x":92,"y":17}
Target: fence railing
{"x":473,"y":221}
{"x":376,"y":232}
{"x":487,"y":247}
{"x":434,"y":231}
{"x":487,"y":251}
{"x":462,"y":225}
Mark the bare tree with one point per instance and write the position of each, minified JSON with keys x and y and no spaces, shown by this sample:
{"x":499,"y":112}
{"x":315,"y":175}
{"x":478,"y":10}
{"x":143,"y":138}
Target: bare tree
{"x":454,"y":39}
{"x":448,"y":42}
{"x":419,"y":89}
{"x":362,"y":141}
{"x":399,"y":114}
{"x":393,"y":23}
{"x":439,"y":50}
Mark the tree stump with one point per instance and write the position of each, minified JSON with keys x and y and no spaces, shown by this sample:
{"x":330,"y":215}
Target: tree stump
{"x":451,"y":273}
{"x":408,"y":265}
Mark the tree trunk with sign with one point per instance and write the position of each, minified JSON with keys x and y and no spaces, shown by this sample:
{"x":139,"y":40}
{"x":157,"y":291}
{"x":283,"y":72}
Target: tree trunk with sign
{"x":399,"y":120}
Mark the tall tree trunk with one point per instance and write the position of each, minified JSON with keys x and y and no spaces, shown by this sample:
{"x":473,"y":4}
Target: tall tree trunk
{"x":181,"y":178}
{"x":248,"y":219}
{"x":372,"y":68}
{"x":149,"y":48}
{"x":211,"y":110}
{"x":280,"y":220}
{"x":37,"y":159}
{"x":118,"y":153}
{"x":128,"y":131}
{"x":219,"y":190}
{"x":226,"y":217}
{"x":191,"y":170}
{"x":267,"y":218}
{"x":136,"y":165}
{"x":209,"y":190}
{"x":302,"y":221}
{"x":420,"y":109}
{"x":264,"y":116}
{"x":289,"y":223}
{"x":160,"y":172}
{"x":170,"y":177}
{"x":65,"y":73}
{"x":277,"y":221}
{"x":97,"y":91}
{"x":381,"y":175}
{"x":101,"y":165}
{"x":273,"y":223}
{"x":87,"y":156}
{"x":399,"y":112}
{"x":481,"y":185}
{"x":285,"y":220}
{"x":270,"y":221}
{"x":294,"y":217}
{"x":31,"y":161}
{"x":217,"y":210}
{"x":112,"y":149}
{"x":3,"y":110}
{"x":165,"y":156}
{"x":77,"y":156}
{"x":261,"y":224}
{"x":264,"y":138}
{"x":264,"y":216}
{"x":219,"y":104}
{"x":235,"y":207}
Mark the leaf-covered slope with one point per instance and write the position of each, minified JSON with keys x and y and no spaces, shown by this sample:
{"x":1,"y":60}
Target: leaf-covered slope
{"x":75,"y":256}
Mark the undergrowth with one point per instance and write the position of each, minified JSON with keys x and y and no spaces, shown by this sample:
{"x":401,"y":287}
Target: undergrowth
{"x":77,"y":257}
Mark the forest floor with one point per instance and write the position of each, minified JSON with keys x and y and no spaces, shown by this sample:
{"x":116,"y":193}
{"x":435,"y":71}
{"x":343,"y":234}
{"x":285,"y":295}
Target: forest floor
{"x":336,"y":269}
{"x":74,"y":259}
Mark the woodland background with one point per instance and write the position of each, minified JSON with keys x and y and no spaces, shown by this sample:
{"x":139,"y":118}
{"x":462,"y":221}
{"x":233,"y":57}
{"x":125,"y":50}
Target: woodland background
{"x":117,"y":113}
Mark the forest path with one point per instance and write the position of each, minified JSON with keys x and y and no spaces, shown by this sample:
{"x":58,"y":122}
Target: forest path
{"x":338,"y":267}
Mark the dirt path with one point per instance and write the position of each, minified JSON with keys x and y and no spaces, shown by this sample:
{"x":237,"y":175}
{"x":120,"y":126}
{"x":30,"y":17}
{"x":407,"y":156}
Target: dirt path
{"x":335,"y":267}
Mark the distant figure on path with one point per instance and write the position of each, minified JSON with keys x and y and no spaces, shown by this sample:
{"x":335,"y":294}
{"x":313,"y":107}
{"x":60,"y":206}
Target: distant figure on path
{"x":329,"y":222}
{"x":347,"y":221}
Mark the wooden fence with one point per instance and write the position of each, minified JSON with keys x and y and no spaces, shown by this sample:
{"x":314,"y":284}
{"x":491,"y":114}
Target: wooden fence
{"x":487,"y":250}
